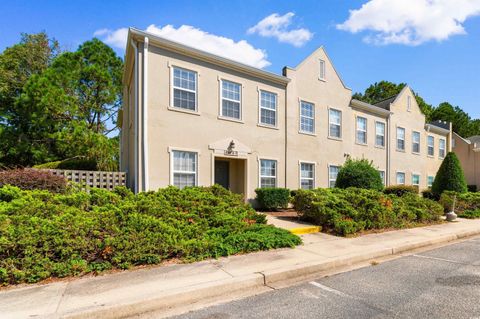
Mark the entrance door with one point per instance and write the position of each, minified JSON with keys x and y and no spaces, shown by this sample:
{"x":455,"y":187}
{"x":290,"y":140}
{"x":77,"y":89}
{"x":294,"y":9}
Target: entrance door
{"x":222,"y":173}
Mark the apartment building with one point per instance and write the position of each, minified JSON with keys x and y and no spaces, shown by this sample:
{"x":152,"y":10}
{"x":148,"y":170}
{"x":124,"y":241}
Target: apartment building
{"x":194,"y":118}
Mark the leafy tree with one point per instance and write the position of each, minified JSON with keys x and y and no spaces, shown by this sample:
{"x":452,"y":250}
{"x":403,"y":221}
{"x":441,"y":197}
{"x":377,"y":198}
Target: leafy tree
{"x":384,"y":89}
{"x":449,"y":176}
{"x":67,"y":110}
{"x":360,"y":174}
{"x":461,"y":121}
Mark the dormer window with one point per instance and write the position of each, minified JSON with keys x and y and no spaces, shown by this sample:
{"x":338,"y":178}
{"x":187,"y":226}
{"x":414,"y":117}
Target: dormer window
{"x":322,"y":71}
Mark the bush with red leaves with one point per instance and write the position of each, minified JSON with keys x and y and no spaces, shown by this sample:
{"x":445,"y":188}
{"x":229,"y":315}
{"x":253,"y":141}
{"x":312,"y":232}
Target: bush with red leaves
{"x":30,"y":179}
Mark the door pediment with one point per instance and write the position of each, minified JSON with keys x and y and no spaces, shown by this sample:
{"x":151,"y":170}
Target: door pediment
{"x":230,"y":147}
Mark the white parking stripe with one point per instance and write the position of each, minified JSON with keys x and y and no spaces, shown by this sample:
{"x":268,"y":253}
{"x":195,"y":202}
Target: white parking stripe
{"x":439,"y":259}
{"x":334,"y":291}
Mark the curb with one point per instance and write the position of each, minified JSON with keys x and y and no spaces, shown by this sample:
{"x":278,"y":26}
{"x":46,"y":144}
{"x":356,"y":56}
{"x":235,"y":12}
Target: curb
{"x":305,"y":230}
{"x":253,"y":283}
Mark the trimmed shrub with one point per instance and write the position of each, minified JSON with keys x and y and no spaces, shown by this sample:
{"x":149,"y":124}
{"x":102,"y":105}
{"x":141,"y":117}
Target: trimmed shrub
{"x":400,"y":190}
{"x":470,"y":214}
{"x":272,"y":198}
{"x":30,"y":179}
{"x":450,"y":176}
{"x":360,"y":174}
{"x":77,"y":163}
{"x":427,"y":193}
{"x":43,"y":234}
{"x":463,"y":201}
{"x":348,"y":211}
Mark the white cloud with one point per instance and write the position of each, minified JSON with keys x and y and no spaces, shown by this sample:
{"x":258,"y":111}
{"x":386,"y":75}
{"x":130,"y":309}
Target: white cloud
{"x":276,"y":26}
{"x":410,"y":22}
{"x":240,"y":51}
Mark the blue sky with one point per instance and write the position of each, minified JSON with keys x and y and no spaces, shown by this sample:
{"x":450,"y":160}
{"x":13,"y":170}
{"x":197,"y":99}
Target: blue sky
{"x":433,"y":45}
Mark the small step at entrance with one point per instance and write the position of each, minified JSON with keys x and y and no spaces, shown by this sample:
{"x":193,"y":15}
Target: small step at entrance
{"x":288,"y":220}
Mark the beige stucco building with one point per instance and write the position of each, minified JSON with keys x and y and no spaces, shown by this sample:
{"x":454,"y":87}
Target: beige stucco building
{"x":193,"y":118}
{"x":468,"y":152}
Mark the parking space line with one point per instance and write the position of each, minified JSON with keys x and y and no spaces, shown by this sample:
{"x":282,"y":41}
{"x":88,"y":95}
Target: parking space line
{"x":440,"y":259}
{"x":334,"y":291}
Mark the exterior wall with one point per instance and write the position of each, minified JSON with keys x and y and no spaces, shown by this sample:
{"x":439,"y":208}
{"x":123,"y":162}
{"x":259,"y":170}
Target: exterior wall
{"x":170,"y":128}
{"x":469,"y":159}
{"x":208,"y":134}
{"x":319,"y":148}
{"x":407,"y":161}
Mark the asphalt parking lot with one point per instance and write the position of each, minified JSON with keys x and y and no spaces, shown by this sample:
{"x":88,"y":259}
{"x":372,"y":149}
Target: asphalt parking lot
{"x":440,"y":283}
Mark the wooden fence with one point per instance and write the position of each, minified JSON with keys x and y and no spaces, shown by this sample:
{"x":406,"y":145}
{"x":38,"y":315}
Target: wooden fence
{"x":99,"y":179}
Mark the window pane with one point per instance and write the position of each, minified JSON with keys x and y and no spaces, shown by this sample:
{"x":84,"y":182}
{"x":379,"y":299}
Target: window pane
{"x":268,"y":168}
{"x":400,"y":138}
{"x":231,"y":90}
{"x":184,"y":79}
{"x":416,"y":142}
{"x":332,"y":175}
{"x":184,"y":168}
{"x":322,"y":69}
{"x":430,"y":142}
{"x":268,"y":117}
{"x":184,"y":99}
{"x":231,"y":109}
{"x":268,"y":108}
{"x":268,"y":100}
{"x":400,"y":178}
{"x":267,"y":182}
{"x":415,"y":179}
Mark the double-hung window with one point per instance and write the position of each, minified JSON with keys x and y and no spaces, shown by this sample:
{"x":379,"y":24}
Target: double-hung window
{"x":231,"y":100}
{"x":332,"y":175}
{"x":322,"y":73}
{"x":184,"y":89}
{"x":400,"y":139}
{"x":268,"y":173}
{"x":307,"y":175}
{"x":184,"y":168}
{"x":416,"y":142}
{"x":335,"y":123}
{"x":268,"y":108}
{"x":415,"y":180}
{"x":361,"y":130}
{"x":380,"y":134}
{"x":430,"y":145}
{"x":430,"y":180}
{"x":400,"y":178}
{"x":307,"y":117}
{"x":382,"y":176}
{"x":441,"y":148}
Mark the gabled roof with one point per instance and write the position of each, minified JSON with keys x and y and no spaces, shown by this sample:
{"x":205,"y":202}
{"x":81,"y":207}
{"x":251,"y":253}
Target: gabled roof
{"x":385,"y":104}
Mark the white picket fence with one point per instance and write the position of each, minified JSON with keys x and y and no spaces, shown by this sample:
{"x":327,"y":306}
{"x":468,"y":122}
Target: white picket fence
{"x":99,"y":179}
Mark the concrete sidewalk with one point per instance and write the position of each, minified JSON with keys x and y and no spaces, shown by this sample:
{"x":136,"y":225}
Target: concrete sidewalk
{"x":162,"y":289}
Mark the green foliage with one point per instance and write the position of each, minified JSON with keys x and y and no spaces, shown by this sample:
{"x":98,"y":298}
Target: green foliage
{"x":360,"y":174}
{"x":62,"y":110}
{"x":463,"y":201}
{"x":427,"y":193}
{"x":449,"y":176}
{"x":30,"y":179}
{"x":400,"y":190}
{"x":77,"y":163}
{"x":272,"y":198}
{"x":44,"y":235}
{"x":470,"y":214}
{"x":461,"y":121}
{"x":472,"y":188}
{"x":383,"y":90}
{"x":348,"y":211}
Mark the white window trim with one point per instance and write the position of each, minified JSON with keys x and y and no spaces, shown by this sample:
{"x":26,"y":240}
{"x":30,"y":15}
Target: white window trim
{"x":220,"y":109}
{"x":300,"y":118}
{"x":404,"y":139}
{"x":419,"y":179}
{"x":341,"y":124}
{"x":172,"y":87}
{"x":384,"y":133}
{"x":260,"y":109}
{"x":300,"y":162}
{"x":180,"y":149}
{"x":419,"y":142}
{"x":404,"y":177}
{"x":357,"y":130}
{"x":259,"y":164}
{"x":328,"y":174}
{"x":433,"y":146}
{"x":444,"y":148}
{"x":322,"y":63}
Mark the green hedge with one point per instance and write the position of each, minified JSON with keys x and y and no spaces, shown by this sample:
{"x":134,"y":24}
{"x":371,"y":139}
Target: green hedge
{"x":400,"y":190}
{"x":272,"y":198}
{"x":465,"y":203}
{"x":359,"y":173}
{"x":348,"y":211}
{"x":44,"y":235}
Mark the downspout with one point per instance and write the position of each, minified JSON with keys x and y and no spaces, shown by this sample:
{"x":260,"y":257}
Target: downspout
{"x":135,"y":126}
{"x":145,"y":115}
{"x":286,"y":134}
{"x":389,"y":142}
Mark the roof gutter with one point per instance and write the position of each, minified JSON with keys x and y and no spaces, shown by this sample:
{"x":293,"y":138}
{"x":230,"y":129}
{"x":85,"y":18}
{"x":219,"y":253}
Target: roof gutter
{"x":436,"y":129}
{"x":370,"y":108}
{"x":208,"y":57}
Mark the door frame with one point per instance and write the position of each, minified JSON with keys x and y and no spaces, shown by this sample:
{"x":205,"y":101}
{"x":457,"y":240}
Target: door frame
{"x":246,"y":181}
